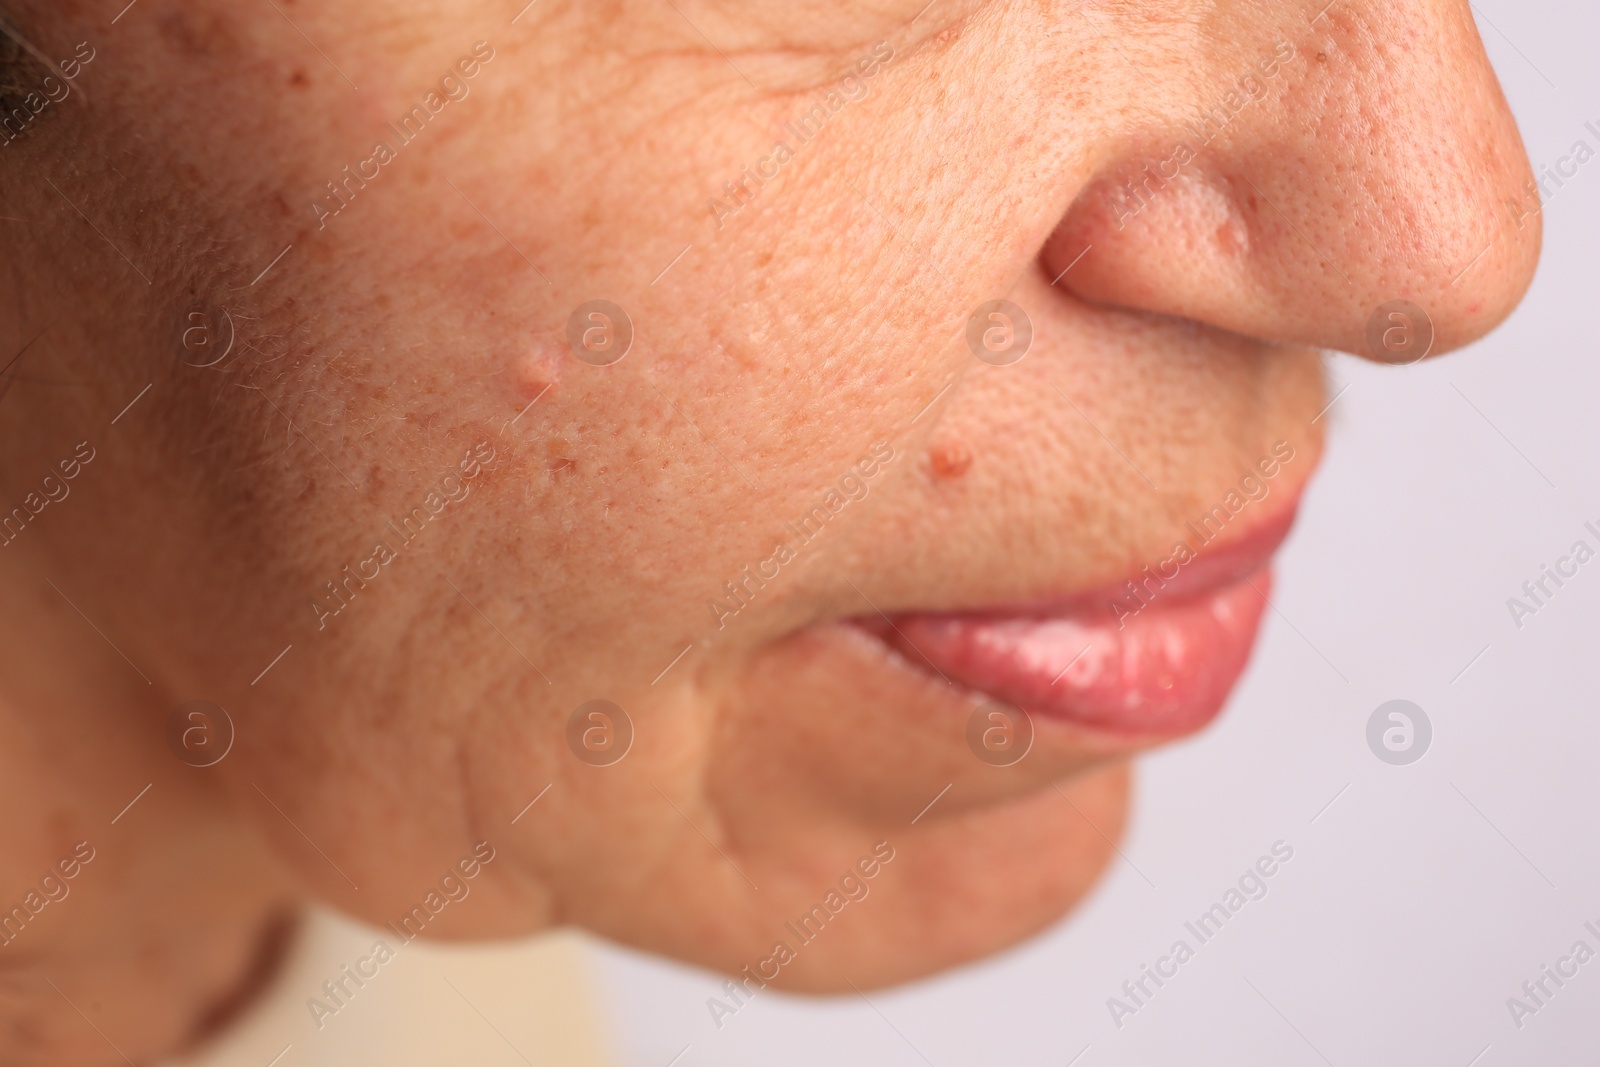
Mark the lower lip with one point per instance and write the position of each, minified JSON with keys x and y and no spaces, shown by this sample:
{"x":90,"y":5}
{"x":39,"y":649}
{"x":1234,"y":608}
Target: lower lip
{"x":1164,"y":671}
{"x":1160,"y":666}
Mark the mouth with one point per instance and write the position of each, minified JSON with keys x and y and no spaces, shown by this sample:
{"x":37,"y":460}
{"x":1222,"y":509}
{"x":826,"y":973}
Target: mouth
{"x":1154,"y":657}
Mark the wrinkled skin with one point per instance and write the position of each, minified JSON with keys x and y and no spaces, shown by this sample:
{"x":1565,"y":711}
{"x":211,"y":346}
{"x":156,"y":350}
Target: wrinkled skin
{"x":824,"y":315}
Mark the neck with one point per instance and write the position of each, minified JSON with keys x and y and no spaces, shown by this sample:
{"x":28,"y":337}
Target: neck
{"x":138,"y":909}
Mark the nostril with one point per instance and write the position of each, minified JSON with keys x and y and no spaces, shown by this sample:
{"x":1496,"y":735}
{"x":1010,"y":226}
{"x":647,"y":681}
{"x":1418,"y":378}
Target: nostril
{"x":1165,"y":244}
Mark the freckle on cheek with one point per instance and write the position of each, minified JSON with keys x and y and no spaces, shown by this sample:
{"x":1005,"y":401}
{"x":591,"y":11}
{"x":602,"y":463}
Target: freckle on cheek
{"x":949,"y":458}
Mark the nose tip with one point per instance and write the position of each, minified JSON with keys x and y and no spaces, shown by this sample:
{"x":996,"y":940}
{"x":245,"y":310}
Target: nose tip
{"x":1378,"y":171}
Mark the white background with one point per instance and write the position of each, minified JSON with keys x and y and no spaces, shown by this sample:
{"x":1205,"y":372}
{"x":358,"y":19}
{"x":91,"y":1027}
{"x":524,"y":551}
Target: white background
{"x":1425,"y":895}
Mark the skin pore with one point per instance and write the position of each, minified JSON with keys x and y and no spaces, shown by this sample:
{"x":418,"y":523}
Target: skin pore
{"x":393,"y":331}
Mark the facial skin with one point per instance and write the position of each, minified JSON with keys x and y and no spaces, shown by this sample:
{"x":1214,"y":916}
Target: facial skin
{"x":429,"y":315}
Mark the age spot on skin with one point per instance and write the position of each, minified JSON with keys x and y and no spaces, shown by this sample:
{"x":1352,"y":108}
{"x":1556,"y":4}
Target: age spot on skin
{"x":949,"y":458}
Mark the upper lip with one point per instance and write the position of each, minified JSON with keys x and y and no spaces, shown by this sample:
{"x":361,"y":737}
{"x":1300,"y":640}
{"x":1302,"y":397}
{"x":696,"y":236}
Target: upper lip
{"x":1220,"y":562}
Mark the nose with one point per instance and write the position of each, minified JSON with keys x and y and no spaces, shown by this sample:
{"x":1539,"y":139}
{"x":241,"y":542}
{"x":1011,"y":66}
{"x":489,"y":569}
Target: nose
{"x":1309,"y":174}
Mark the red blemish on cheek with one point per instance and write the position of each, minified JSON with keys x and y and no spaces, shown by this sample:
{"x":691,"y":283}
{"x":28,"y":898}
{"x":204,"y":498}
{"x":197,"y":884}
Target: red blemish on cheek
{"x":949,"y":458}
{"x":535,"y":373}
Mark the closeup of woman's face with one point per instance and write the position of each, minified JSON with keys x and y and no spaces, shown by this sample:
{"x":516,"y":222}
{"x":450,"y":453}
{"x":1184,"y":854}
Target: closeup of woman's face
{"x":888,"y":410}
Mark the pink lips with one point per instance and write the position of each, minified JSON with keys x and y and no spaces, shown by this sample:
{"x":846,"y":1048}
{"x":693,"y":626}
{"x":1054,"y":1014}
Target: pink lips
{"x":1160,"y":666}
